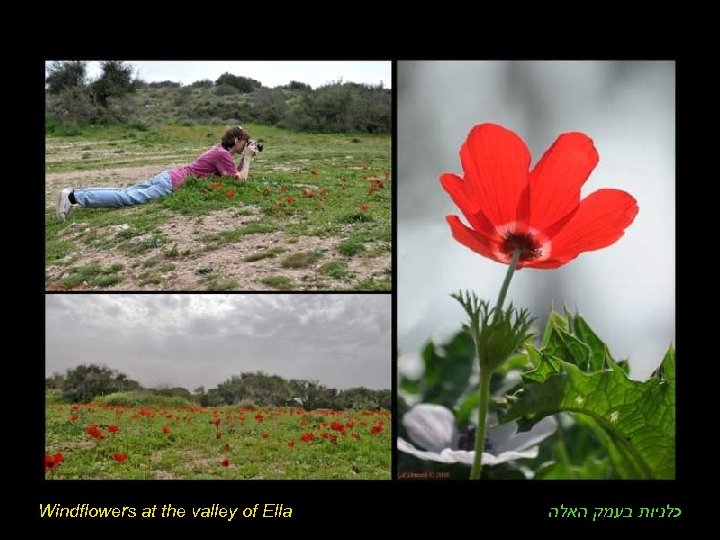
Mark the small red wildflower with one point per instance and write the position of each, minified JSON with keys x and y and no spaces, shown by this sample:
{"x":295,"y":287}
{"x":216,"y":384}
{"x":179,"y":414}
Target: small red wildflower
{"x":337,"y":426}
{"x":308,"y":193}
{"x":259,"y":417}
{"x":75,"y":407}
{"x":120,"y":456}
{"x":94,"y":432}
{"x":230,"y":193}
{"x":216,"y":421}
{"x":377,"y":428}
{"x":356,"y":436}
{"x":289,"y":200}
{"x":73,"y":418}
{"x":166,"y":430}
{"x":53,"y":462}
{"x":226,"y":447}
{"x":364,"y":207}
{"x":538,"y":212}
{"x":112,"y":428}
{"x":307,"y":437}
{"x":218,"y":435}
{"x":291,"y":444}
{"x":225,"y":463}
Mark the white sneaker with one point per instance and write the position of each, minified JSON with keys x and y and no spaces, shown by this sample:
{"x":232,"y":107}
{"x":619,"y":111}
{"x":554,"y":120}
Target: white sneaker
{"x":63,"y":206}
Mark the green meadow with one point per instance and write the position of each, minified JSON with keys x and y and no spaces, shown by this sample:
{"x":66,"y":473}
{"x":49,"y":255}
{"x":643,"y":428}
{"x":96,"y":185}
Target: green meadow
{"x":315,"y":213}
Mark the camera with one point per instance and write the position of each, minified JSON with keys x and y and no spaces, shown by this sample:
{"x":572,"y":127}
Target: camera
{"x":257,"y":144}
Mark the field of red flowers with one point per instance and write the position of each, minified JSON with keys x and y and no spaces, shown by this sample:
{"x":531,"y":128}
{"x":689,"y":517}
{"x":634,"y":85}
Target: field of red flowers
{"x":98,"y":442}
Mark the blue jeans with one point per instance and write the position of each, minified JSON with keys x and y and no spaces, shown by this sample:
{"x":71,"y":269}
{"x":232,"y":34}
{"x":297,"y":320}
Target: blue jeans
{"x":156,"y":187}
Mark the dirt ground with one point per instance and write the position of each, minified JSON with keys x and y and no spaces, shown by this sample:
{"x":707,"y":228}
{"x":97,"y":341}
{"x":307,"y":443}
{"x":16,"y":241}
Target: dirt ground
{"x":198,"y":268}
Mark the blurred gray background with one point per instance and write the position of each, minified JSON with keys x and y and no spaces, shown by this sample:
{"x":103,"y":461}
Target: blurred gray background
{"x":626,"y":292}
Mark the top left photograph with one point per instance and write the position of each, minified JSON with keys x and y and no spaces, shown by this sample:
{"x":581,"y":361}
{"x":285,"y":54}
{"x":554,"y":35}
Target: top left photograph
{"x":218,"y":175}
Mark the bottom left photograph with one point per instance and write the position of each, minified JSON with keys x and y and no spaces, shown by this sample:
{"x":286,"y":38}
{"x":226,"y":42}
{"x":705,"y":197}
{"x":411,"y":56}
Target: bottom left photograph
{"x":215,"y":386}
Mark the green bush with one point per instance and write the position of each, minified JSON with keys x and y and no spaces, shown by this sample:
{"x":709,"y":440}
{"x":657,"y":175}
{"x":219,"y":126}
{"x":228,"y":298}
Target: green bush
{"x":141,"y":399}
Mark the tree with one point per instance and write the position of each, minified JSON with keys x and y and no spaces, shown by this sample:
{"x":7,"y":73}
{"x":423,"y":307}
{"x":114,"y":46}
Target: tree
{"x":296,"y":85}
{"x":203,"y":83}
{"x":63,"y":75}
{"x":55,"y":381}
{"x":116,"y":80}
{"x":88,"y":381}
{"x":244,"y":84}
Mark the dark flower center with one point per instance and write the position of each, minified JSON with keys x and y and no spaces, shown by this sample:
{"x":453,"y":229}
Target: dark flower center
{"x":525,"y":242}
{"x":467,"y":439}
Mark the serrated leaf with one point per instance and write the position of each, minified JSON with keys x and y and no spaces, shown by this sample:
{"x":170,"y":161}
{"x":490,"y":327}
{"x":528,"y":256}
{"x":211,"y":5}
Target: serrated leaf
{"x":570,"y":349}
{"x":555,"y":320}
{"x":638,"y":418}
{"x":545,"y":365}
{"x":598,"y":349}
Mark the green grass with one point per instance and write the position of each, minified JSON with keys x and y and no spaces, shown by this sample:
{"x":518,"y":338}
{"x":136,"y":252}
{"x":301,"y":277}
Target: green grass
{"x":92,"y":275}
{"x":334,"y":269}
{"x":278,"y":282}
{"x":260,"y":255}
{"x":257,"y":446}
{"x":301,"y":185}
{"x":302,"y":259}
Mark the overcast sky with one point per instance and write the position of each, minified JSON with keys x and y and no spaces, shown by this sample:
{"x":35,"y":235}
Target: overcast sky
{"x":270,"y":73}
{"x":189,"y":340}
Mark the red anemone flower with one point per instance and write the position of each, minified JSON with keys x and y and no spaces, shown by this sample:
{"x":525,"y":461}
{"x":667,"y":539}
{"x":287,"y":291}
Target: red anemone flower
{"x":538,"y":212}
{"x":225,"y":463}
{"x":112,"y":428}
{"x":53,"y":462}
{"x":120,"y":456}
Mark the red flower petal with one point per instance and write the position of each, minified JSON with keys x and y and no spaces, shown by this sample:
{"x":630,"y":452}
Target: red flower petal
{"x":455,"y":187}
{"x":496,"y":162}
{"x":470,"y":238}
{"x":556,"y":180}
{"x":600,"y":221}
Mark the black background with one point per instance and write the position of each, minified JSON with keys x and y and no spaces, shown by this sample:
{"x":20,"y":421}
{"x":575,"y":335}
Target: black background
{"x":450,"y":509}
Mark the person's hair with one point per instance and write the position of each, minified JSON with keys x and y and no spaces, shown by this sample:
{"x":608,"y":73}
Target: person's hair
{"x":235,"y":132}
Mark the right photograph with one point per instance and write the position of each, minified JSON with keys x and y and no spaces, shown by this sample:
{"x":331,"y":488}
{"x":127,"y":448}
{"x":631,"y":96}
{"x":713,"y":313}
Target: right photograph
{"x":535,"y":270}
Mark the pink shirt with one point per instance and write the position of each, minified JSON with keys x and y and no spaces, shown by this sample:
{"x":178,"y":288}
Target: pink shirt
{"x":217,"y":160}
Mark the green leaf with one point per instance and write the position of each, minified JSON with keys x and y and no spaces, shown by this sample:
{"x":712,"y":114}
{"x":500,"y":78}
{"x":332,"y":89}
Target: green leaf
{"x":591,"y":469}
{"x":410,"y":386}
{"x":447,"y":370}
{"x":516,"y":362}
{"x":466,"y":408}
{"x":637,"y":418}
{"x":598,"y":350}
{"x":555,"y":320}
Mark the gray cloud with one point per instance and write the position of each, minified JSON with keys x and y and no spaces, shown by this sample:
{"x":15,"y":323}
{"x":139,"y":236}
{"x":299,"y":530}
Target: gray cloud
{"x":192,"y":340}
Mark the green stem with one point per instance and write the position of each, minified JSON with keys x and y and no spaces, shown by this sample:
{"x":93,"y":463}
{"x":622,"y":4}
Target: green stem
{"x":484,"y":399}
{"x":506,"y":284}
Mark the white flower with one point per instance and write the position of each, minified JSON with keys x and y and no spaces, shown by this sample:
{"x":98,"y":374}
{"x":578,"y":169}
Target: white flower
{"x":432,"y":427}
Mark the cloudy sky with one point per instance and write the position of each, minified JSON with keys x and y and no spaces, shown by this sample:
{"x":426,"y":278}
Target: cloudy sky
{"x":270,"y":73}
{"x":186,"y":340}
